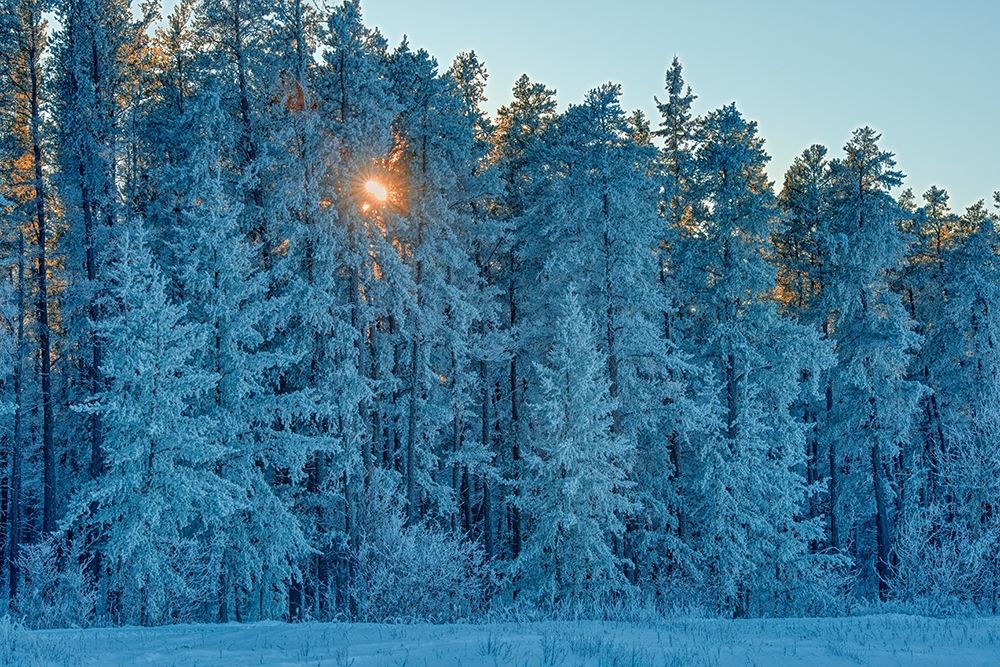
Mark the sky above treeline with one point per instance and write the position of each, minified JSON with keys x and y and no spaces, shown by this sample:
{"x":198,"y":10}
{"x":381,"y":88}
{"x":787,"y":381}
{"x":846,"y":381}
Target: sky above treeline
{"x":921,"y":72}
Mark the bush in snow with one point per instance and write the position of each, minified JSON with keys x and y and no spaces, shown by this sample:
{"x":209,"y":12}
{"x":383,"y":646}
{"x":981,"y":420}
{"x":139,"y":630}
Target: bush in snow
{"x":56,"y":590}
{"x":412,"y":572}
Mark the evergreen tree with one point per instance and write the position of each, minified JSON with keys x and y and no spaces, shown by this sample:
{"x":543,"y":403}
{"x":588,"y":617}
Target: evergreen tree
{"x":98,"y":64}
{"x":596,"y":226}
{"x":235,"y":33}
{"x":948,"y":543}
{"x":335,"y":127}
{"x":11,"y":440}
{"x":434,"y":158}
{"x":798,"y":243}
{"x":255,"y":545}
{"x":802,"y":245}
{"x":518,"y":151}
{"x":24,"y":32}
{"x":749,"y":531}
{"x":872,"y":403}
{"x":575,"y":475}
{"x":159,"y":490}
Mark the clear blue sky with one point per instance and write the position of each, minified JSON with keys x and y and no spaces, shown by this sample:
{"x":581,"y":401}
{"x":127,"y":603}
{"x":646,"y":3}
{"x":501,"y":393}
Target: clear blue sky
{"x":923,"y":73}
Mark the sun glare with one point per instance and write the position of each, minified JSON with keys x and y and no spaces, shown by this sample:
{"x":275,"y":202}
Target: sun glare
{"x":376,"y":190}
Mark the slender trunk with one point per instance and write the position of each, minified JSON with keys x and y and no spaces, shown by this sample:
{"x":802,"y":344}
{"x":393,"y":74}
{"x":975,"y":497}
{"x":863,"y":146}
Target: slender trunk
{"x":411,"y":429}
{"x":486,"y":441}
{"x":881,"y":524}
{"x":259,"y":231}
{"x":616,"y":425}
{"x":731,"y":405}
{"x":15,"y":529}
{"x":416,"y":352}
{"x":833,"y":463}
{"x":41,"y":272}
{"x":515,"y":420}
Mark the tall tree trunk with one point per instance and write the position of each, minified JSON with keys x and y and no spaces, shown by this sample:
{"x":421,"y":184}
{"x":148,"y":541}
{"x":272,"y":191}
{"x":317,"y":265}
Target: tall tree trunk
{"x":515,"y":419}
{"x":486,"y":441}
{"x":833,"y":456}
{"x":15,"y":508}
{"x":881,"y":524}
{"x":41,"y":272}
{"x":411,"y":427}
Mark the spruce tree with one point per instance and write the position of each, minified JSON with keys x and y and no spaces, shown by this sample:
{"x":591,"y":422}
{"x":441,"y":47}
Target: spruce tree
{"x":574,"y":491}
{"x":159,"y":490}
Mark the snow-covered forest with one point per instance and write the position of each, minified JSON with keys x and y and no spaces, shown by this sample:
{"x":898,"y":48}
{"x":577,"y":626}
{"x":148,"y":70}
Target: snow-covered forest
{"x":292,"y":328}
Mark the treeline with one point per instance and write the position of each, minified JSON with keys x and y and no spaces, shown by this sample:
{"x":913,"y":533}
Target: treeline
{"x":292,"y":328}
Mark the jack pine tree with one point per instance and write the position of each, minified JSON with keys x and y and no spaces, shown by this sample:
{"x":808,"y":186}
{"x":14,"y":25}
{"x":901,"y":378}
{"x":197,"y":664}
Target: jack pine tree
{"x":872,"y":403}
{"x":518,"y":153}
{"x":753,"y":493}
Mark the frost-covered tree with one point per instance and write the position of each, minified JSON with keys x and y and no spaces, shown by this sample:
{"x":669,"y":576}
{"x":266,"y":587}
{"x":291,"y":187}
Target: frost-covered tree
{"x":518,"y":152}
{"x":934,"y":229}
{"x":255,"y":545}
{"x":11,"y":443}
{"x":413,"y":572}
{"x":318,"y":319}
{"x":798,"y":243}
{"x":596,"y":227}
{"x":678,"y":129}
{"x":871,"y":402}
{"x":98,"y":62}
{"x":948,"y":543}
{"x":748,"y":526}
{"x":801,"y":245}
{"x":159,"y":490}
{"x":483,"y":351}
{"x":576,"y":474}
{"x":234,"y":34}
{"x":434,"y":161}
{"x":24,"y":156}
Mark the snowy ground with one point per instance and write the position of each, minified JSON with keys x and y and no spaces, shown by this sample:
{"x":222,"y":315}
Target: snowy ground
{"x":873,"y":640}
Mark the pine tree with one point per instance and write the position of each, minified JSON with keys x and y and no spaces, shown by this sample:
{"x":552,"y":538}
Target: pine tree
{"x":168,"y":126}
{"x":678,"y":129}
{"x":798,"y":248}
{"x":519,"y":156}
{"x":921,"y":283}
{"x":334,"y":124}
{"x":434,"y":159}
{"x":23,"y":30}
{"x":479,"y":356}
{"x":749,"y":530}
{"x":801,"y":246}
{"x":948,"y":543}
{"x":255,"y":545}
{"x":872,"y":403}
{"x":236,"y":35}
{"x":595,"y":215}
{"x":11,"y":437}
{"x":97,"y":60}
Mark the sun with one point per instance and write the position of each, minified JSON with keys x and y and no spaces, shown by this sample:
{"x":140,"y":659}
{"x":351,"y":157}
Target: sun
{"x":376,"y":190}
